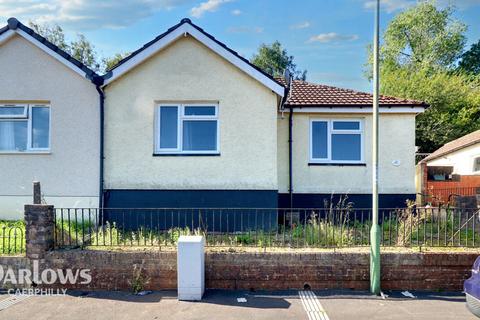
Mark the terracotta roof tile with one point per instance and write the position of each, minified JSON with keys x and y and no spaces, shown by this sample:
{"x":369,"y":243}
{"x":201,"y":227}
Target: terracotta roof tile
{"x":460,"y":143}
{"x":306,"y":94}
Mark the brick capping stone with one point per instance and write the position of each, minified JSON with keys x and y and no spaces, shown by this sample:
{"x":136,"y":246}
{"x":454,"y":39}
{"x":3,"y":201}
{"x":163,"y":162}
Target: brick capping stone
{"x":39,"y":230}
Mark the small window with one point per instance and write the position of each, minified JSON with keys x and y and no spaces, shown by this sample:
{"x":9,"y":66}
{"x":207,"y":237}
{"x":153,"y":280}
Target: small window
{"x":187,"y":128}
{"x":346,"y":125}
{"x":336,"y":141}
{"x":200,"y":111}
{"x":476,"y":164}
{"x":439,"y":173}
{"x":13,"y":111}
{"x":24,"y":128}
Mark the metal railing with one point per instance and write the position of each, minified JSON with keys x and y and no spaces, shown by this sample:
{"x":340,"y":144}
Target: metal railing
{"x":293,"y":228}
{"x":12,"y":239}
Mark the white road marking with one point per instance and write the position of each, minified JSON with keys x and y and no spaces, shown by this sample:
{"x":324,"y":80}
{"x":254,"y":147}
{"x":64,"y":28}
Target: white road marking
{"x":312,"y":306}
{"x":11,"y":300}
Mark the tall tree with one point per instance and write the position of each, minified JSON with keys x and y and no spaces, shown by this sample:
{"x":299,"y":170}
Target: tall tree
{"x":80,"y":48}
{"x":274,"y":60}
{"x":423,"y":37}
{"x":470,"y":60}
{"x":53,"y":33}
{"x":454,"y":100}
{"x":418,"y":56}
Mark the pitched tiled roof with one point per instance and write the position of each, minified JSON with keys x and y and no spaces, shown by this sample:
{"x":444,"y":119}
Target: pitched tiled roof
{"x":14,"y":24}
{"x":460,"y":143}
{"x":306,"y":94}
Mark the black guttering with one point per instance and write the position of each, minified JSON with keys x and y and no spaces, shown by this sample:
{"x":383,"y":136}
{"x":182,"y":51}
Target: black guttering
{"x":290,"y":156}
{"x":101,"y":95}
{"x":184,"y":21}
{"x":288,"y":87}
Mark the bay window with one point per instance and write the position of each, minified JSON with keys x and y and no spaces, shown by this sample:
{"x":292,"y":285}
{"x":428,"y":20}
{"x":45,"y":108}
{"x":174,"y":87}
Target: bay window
{"x":336,"y":141}
{"x":24,"y":128}
{"x":186,"y":129}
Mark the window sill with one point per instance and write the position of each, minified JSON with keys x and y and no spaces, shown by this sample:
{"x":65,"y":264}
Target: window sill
{"x":337,"y":164}
{"x":24,"y":152}
{"x":186,"y":154}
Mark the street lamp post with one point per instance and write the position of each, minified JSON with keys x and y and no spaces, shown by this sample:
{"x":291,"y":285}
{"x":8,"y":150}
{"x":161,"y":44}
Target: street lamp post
{"x":374,"y":231}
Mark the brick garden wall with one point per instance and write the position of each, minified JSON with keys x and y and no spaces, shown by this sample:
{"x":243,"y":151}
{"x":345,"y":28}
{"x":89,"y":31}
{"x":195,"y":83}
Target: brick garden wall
{"x":114,"y":270}
{"x":400,"y":271}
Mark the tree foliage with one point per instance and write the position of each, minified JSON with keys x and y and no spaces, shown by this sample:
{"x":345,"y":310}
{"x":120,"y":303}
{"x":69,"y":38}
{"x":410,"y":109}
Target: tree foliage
{"x":80,"y":48}
{"x":421,"y":47}
{"x":53,"y":33}
{"x":470,"y":60}
{"x":110,"y":62}
{"x":423,"y":37}
{"x":274,"y":60}
{"x":454,"y":100}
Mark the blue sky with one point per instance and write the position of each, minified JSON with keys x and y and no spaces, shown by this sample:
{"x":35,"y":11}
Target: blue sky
{"x":326,"y":37}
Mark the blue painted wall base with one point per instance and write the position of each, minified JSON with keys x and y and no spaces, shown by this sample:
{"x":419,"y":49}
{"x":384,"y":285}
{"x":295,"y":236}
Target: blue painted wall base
{"x":213,"y":210}
{"x":317,"y":200}
{"x":221,"y":210}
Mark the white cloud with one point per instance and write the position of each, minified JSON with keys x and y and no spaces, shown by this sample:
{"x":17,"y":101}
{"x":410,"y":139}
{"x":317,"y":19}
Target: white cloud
{"x":86,"y":14}
{"x":245,"y":30}
{"x":460,"y":4}
{"x":236,"y":12}
{"x":390,"y":5}
{"x":302,"y":25}
{"x":394,"y":5}
{"x":332,"y":37}
{"x":208,"y":6}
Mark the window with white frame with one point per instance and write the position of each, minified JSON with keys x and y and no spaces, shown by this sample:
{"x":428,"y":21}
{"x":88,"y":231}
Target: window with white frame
{"x":24,"y":127}
{"x":336,"y":141}
{"x":186,"y":129}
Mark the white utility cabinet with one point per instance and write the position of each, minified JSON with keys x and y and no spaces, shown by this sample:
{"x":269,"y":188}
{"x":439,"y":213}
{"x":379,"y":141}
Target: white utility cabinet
{"x":191,"y":267}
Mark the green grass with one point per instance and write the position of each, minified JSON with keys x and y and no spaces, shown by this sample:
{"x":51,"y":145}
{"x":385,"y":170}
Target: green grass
{"x":405,"y":230}
{"x":426,"y":231}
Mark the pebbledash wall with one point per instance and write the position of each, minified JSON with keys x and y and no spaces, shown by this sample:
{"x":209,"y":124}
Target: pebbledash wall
{"x":243,"y":174}
{"x":314,"y":183}
{"x":69,"y":170}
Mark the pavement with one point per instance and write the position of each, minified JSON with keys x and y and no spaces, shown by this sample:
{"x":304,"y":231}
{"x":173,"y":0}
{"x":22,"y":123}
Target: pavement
{"x":219,"y":304}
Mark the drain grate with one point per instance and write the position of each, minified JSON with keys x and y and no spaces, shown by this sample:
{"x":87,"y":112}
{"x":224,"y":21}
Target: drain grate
{"x":12,"y":300}
{"x":312,"y":306}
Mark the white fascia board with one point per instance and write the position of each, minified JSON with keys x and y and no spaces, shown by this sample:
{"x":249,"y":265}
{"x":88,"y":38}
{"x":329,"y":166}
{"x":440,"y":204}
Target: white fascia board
{"x":188,"y":29}
{"x":356,"y":110}
{"x":7,"y":35}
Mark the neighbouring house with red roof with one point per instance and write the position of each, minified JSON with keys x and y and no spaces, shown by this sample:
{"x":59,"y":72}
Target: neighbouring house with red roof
{"x":186,"y":122}
{"x":452,"y":170}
